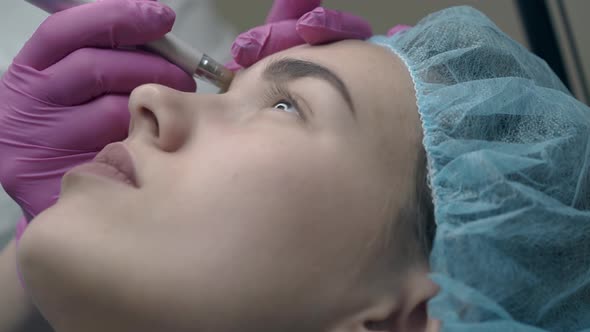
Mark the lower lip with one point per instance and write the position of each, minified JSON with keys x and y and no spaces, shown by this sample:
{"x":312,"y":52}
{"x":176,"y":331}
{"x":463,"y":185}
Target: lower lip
{"x":103,"y":170}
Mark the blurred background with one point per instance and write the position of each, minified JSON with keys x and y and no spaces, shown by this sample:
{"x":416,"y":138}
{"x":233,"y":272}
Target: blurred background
{"x":553,"y":29}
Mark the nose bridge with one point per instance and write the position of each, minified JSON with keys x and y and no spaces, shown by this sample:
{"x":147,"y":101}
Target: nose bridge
{"x":207,"y":104}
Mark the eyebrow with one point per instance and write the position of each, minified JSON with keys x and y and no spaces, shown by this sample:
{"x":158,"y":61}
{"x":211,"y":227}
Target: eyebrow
{"x":288,"y":69}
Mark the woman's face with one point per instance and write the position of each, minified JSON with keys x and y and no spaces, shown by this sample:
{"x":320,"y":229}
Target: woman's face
{"x":254,"y":211}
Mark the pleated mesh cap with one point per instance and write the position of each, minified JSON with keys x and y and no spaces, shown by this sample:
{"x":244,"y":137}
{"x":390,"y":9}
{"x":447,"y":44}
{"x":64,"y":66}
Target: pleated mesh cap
{"x":508,"y":151}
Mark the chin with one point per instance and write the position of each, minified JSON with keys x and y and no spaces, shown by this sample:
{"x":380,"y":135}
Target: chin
{"x":36,"y":244}
{"x":68,"y":276}
{"x":45,"y":259}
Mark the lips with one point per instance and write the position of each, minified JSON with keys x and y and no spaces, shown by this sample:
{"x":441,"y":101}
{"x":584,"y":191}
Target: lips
{"x":117,"y":156}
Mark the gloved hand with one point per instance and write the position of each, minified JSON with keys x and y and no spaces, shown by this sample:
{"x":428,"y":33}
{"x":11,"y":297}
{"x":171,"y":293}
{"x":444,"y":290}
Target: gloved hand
{"x":65,"y":96}
{"x":291,"y":23}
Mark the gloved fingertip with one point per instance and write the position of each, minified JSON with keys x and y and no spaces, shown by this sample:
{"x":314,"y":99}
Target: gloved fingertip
{"x":288,"y":9}
{"x":313,"y":18}
{"x":233,"y":66}
{"x":323,"y":25}
{"x":242,"y":50}
{"x":397,"y":28}
{"x":162,"y":12}
{"x":170,"y":15}
{"x":246,"y":48}
{"x":188,"y":85}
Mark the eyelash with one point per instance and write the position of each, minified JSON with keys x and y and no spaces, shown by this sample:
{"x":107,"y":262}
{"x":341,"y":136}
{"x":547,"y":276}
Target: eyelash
{"x":277,"y":93}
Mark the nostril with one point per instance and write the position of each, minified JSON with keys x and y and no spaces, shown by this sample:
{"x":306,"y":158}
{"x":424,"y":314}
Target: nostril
{"x":151,"y":119}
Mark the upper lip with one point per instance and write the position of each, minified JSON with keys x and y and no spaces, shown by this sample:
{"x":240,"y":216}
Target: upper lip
{"x":118,"y":156}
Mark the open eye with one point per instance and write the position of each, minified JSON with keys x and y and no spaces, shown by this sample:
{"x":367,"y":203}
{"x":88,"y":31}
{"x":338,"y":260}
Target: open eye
{"x":282,"y":100}
{"x":287,"y":106}
{"x":283,"y":105}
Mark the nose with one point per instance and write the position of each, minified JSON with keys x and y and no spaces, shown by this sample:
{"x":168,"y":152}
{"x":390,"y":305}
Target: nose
{"x":162,"y":115}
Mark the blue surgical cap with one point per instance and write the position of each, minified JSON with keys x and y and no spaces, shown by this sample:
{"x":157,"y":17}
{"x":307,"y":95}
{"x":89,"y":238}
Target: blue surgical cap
{"x":508,"y":152}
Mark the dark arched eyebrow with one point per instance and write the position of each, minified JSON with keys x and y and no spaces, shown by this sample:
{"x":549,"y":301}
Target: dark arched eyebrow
{"x":288,"y":69}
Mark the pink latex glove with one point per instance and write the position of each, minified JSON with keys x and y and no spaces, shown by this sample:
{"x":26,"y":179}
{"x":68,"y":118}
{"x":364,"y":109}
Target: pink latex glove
{"x":398,"y":28}
{"x":65,"y":96}
{"x":295,"y":22}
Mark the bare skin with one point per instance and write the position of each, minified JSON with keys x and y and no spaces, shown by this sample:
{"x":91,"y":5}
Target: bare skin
{"x":17,"y":311}
{"x":254,"y":213}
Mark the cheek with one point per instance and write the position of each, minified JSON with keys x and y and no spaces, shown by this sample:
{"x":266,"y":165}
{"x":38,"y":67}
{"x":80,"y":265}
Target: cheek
{"x":275,"y":194}
{"x":285,"y":213}
{"x":255,"y":172}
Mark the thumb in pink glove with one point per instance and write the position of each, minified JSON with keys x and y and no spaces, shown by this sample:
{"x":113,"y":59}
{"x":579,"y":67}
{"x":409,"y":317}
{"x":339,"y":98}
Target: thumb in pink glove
{"x":66,"y":94}
{"x":292,"y":23}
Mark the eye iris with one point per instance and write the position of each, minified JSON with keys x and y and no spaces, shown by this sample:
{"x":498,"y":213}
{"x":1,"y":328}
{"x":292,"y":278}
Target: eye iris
{"x":282,"y":105}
